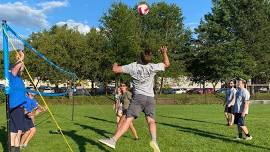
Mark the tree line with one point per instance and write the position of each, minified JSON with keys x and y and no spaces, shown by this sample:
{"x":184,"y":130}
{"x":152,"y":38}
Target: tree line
{"x":231,"y":41}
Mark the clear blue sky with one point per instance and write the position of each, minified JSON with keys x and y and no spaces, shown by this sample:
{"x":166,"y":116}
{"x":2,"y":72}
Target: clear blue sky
{"x":27,"y":16}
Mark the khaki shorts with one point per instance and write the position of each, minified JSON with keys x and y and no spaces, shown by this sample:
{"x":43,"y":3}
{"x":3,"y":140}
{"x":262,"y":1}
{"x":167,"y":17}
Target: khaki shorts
{"x":141,"y":103}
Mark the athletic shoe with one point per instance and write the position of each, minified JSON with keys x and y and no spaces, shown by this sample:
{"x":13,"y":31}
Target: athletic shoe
{"x":248,"y":138}
{"x":110,"y":142}
{"x":237,"y":138}
{"x":154,"y":145}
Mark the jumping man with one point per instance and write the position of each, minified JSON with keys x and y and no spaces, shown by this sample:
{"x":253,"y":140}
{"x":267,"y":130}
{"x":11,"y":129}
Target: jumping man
{"x":142,"y":73}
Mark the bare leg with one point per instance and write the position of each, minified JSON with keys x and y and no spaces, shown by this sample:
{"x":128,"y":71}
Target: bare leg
{"x":120,"y":123}
{"x":24,"y":137}
{"x":152,"y":128}
{"x":17,"y":139}
{"x":123,"y":128}
{"x":245,"y":129}
{"x":30,"y":136}
{"x":232,"y":119}
{"x":133,"y":130}
{"x":227,"y":117}
{"x":240,"y":132}
{"x":12,"y":137}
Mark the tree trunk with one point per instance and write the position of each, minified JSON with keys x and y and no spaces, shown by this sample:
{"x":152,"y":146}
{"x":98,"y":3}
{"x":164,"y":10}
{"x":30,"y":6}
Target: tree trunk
{"x":93,"y":90}
{"x":214,"y":85}
{"x":204,"y":87}
{"x":161,"y":85}
{"x":106,"y":87}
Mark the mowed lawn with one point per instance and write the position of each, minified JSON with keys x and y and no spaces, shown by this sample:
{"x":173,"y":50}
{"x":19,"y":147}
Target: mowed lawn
{"x":198,"y":128}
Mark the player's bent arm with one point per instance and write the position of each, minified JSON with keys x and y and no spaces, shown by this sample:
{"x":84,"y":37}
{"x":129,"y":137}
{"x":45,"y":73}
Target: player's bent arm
{"x":164,"y":51}
{"x":166,"y":60}
{"x":18,"y":65}
{"x":117,"y":69}
{"x":16,"y":69}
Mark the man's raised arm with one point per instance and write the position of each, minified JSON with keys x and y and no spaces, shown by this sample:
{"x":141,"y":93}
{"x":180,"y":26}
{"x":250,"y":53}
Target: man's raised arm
{"x":164,"y":52}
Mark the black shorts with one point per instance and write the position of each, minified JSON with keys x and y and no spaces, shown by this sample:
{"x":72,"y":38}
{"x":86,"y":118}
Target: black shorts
{"x":28,"y":123}
{"x":228,"y":109}
{"x":124,"y":111}
{"x":141,"y":103}
{"x":17,"y":120}
{"x":239,"y":120}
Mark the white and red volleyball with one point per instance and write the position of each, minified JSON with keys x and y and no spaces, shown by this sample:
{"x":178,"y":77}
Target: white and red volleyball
{"x":143,"y":9}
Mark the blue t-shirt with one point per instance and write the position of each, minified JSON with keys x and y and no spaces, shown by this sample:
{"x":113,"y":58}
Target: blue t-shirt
{"x":30,"y":104}
{"x":17,"y":91}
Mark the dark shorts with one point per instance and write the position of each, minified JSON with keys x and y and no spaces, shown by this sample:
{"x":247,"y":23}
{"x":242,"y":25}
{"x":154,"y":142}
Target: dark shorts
{"x":124,"y":111}
{"x":16,"y":120}
{"x":141,"y":103}
{"x":28,"y":123}
{"x":239,"y":120}
{"x":228,"y":109}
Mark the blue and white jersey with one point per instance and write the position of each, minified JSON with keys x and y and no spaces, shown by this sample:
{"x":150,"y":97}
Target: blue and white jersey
{"x":242,"y":96}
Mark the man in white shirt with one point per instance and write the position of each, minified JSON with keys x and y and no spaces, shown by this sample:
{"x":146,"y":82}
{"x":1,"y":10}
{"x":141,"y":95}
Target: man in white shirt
{"x":142,"y":73}
{"x":241,"y":108}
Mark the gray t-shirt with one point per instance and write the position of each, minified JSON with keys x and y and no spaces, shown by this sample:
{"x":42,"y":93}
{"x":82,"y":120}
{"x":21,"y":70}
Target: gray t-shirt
{"x":230,"y":92}
{"x":143,"y":76}
{"x":242,"y":95}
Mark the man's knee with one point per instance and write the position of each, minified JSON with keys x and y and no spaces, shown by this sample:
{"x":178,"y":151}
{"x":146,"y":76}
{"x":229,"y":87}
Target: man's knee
{"x":151,"y":120}
{"x":33,"y":130}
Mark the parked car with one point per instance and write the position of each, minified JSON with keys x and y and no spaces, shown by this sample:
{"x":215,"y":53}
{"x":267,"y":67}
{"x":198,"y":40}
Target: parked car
{"x":263,"y":89}
{"x":200,"y":90}
{"x":81,"y":91}
{"x":178,"y":91}
{"x":48,"y":90}
{"x":221,"y":90}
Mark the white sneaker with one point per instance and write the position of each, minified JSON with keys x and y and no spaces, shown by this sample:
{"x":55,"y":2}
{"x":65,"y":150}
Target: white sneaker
{"x":248,"y":138}
{"x":237,"y":138}
{"x":154,"y":145}
{"x":110,"y":142}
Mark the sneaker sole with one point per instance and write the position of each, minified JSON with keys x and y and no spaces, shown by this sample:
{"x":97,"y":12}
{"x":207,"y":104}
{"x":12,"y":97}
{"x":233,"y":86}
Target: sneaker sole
{"x":154,"y":147}
{"x":109,"y":145}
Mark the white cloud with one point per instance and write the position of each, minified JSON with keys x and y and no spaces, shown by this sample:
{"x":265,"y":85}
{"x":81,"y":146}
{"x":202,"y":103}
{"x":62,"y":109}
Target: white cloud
{"x":23,"y":15}
{"x":52,"y":4}
{"x":71,"y":24}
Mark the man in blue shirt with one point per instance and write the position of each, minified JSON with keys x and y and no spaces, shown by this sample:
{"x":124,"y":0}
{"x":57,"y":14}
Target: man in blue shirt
{"x":16,"y":101}
{"x":31,"y":109}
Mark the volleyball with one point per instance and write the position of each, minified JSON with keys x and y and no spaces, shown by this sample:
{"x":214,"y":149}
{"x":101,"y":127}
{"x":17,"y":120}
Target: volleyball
{"x":143,"y":9}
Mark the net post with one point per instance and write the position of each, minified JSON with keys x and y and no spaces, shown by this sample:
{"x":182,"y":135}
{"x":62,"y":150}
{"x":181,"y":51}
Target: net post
{"x":73,"y":104}
{"x":6,"y":76}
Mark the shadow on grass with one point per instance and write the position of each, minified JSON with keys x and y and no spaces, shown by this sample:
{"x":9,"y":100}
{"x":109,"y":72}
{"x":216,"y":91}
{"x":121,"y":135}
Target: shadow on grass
{"x":212,"y":135}
{"x":96,"y":130}
{"x":194,"y":120}
{"x":46,"y":120}
{"x":3,"y":138}
{"x":99,"y":119}
{"x":81,"y":141}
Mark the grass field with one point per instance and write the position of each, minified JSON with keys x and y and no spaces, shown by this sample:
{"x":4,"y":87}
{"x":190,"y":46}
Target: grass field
{"x":198,"y":128}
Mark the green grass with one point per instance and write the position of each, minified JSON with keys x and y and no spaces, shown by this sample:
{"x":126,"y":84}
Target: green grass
{"x":197,"y":128}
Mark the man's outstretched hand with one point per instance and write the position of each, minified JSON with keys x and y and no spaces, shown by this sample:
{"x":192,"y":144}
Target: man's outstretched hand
{"x":163,"y":49}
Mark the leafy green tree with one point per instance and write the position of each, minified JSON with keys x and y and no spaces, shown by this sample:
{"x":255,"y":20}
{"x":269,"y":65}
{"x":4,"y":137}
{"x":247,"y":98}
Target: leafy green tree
{"x":164,"y":26}
{"x":121,"y":27}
